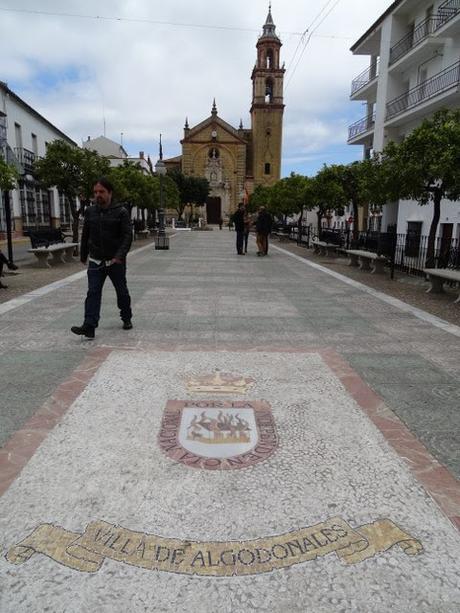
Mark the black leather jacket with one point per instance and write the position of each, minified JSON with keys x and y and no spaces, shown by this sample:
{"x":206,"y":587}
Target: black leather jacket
{"x":106,"y":233}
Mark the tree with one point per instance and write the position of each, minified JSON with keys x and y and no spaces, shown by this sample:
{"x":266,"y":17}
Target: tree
{"x":288,"y":196}
{"x":72,"y":171}
{"x":261,"y":196}
{"x":325,"y":192}
{"x":192,"y":190}
{"x":425,"y":167}
{"x":8,"y":177}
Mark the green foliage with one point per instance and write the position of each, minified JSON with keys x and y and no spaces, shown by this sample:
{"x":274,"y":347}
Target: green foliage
{"x":191,"y":190}
{"x":261,"y":196}
{"x":8,"y":175}
{"x":427,"y":162}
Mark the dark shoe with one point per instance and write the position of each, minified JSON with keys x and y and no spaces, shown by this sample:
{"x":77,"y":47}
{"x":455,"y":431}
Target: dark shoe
{"x":2,"y":286}
{"x":127,"y":325}
{"x":83,"y":330}
{"x":12,"y":266}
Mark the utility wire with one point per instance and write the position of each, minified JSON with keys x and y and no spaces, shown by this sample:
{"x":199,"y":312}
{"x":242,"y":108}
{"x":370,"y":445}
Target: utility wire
{"x":136,"y":20}
{"x":310,"y":36}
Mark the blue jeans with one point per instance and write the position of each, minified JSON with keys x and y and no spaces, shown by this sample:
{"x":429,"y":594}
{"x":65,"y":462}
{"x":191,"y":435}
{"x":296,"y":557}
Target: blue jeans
{"x":97,"y":274}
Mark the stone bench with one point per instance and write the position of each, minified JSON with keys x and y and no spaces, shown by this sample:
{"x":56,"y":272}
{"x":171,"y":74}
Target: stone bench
{"x":364,"y":259}
{"x":438,"y":276}
{"x":142,"y":233}
{"x":60,"y":253}
{"x":323,"y":248}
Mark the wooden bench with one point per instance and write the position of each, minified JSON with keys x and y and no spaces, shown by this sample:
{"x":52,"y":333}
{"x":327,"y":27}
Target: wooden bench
{"x":60,"y":253}
{"x":438,"y":276}
{"x":363,"y":259}
{"x":323,"y":248}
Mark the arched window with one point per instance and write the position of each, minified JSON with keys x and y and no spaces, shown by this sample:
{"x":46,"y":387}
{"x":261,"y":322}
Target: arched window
{"x":267,"y":168}
{"x":269,"y":59}
{"x":213,"y":153}
{"x":268,"y":91}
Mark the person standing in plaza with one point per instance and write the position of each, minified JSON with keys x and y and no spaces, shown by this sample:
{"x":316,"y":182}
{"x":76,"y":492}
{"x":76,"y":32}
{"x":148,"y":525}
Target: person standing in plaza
{"x":238,"y":222}
{"x":263,"y":229}
{"x":4,"y":260}
{"x":105,"y":242}
{"x":247,"y":227}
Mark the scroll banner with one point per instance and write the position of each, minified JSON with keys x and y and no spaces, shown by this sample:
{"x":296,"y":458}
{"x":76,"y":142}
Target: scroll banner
{"x":86,"y":552}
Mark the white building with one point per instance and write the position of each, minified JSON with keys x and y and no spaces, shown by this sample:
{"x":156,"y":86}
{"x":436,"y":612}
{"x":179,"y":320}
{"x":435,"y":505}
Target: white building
{"x":414,"y":70}
{"x":24,"y":135}
{"x":115,"y":153}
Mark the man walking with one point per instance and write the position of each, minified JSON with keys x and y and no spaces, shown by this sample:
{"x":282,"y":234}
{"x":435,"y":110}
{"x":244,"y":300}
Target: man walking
{"x":263,"y":229}
{"x":4,"y":260}
{"x":105,"y":242}
{"x":238,"y":220}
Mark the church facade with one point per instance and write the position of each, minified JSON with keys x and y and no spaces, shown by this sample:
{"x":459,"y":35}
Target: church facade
{"x":236,"y":160}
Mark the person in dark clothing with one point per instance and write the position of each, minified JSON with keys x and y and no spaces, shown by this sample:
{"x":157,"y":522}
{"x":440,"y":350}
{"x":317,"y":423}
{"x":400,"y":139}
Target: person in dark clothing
{"x":247,"y":227}
{"x":263,"y":229}
{"x":4,"y":260}
{"x":238,"y":222}
{"x":105,"y":242}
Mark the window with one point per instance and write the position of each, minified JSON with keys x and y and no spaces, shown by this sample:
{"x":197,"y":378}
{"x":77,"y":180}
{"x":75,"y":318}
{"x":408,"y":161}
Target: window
{"x":18,"y":135}
{"x":269,"y":59}
{"x":267,"y":168}
{"x":268,"y":91}
{"x":414,"y":232}
{"x":34,"y":144}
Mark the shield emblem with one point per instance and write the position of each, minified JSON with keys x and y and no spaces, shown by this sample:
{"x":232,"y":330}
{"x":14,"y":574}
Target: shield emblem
{"x":216,"y":434}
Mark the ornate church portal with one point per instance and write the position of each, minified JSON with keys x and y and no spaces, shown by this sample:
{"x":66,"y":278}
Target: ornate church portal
{"x":236,"y":160}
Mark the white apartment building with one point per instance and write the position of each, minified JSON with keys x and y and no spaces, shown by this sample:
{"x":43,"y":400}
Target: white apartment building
{"x":116,"y":153}
{"x":414,"y":70}
{"x":24,"y":135}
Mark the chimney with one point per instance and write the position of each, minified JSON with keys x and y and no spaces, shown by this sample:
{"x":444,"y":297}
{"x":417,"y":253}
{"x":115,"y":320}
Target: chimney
{"x":141,"y":155}
{"x":89,"y":138}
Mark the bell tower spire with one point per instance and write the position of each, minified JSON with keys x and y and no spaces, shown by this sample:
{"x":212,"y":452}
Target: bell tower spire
{"x":267,"y":106}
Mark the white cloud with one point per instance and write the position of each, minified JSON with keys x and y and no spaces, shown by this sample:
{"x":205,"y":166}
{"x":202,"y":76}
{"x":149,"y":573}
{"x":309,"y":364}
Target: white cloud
{"x":145,"y":78}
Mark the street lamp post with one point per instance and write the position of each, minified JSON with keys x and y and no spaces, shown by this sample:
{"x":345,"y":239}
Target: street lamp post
{"x":162,"y":241}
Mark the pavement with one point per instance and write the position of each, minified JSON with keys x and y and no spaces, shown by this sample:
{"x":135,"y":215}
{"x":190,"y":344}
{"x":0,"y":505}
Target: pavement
{"x":274,"y":434}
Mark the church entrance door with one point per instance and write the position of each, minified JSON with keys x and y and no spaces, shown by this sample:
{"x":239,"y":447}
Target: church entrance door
{"x":213,"y":210}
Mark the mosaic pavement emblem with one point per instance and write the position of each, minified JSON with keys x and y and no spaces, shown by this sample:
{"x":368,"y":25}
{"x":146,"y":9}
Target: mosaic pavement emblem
{"x":218,"y":434}
{"x":86,"y":552}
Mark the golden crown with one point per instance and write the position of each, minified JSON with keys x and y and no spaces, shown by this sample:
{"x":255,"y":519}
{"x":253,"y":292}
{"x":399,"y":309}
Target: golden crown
{"x":222,"y":384}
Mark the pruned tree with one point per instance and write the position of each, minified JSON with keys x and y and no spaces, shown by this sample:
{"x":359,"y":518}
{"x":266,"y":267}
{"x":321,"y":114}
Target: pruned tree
{"x":425,"y":167}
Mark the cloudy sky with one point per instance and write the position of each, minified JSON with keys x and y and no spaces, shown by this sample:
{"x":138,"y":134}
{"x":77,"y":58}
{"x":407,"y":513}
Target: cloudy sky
{"x":142,"y":67}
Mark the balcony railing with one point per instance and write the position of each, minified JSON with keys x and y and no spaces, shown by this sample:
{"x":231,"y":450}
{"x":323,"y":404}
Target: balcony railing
{"x":440,"y":83}
{"x":361,"y":126}
{"x":365,"y":77}
{"x":26,"y":158}
{"x":428,"y":26}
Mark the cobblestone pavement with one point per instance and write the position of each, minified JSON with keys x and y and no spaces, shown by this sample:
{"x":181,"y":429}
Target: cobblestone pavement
{"x":271,"y":436}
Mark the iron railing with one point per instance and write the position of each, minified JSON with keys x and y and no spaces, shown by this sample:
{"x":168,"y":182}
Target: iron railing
{"x":361,"y":126}
{"x":368,"y":75}
{"x":438,"y":84}
{"x":26,"y":158}
{"x":406,"y":253}
{"x":428,"y":26}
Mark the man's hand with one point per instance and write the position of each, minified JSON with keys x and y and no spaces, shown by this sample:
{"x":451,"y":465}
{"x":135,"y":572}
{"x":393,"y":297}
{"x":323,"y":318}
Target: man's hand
{"x":116,"y":261}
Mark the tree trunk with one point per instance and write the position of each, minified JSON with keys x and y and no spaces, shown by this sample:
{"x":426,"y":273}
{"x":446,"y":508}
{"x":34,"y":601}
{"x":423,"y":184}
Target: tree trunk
{"x":430,"y":254}
{"x":355,"y":221}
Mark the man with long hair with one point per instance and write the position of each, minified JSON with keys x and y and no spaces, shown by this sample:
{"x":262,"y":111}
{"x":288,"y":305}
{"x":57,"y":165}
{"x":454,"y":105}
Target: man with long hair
{"x":105,"y":242}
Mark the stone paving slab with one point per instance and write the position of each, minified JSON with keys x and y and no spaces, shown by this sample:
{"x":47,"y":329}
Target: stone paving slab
{"x":292,"y":521}
{"x":355,"y":381}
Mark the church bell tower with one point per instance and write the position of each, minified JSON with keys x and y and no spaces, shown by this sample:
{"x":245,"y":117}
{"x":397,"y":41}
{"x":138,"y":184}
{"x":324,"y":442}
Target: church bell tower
{"x":267,"y":107}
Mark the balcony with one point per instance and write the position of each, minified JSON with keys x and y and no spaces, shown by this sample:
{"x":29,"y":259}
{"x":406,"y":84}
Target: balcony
{"x":25,"y":158}
{"x":428,"y":27}
{"x":361,"y":127}
{"x":447,"y":79}
{"x":366,"y":77}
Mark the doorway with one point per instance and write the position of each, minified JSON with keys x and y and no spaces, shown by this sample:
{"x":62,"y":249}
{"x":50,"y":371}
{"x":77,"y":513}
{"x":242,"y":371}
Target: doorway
{"x":213,"y":210}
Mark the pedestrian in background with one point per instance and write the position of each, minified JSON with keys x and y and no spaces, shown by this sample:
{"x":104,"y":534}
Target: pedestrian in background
{"x":263,"y":229}
{"x":247,"y":227}
{"x":238,"y":222}
{"x":4,"y":260}
{"x":105,"y":241}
